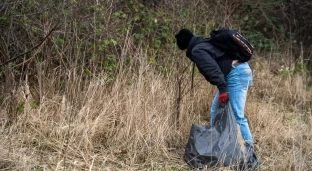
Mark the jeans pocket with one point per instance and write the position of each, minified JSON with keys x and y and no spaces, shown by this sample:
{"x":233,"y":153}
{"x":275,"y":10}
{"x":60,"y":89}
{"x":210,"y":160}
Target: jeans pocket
{"x":245,"y":76}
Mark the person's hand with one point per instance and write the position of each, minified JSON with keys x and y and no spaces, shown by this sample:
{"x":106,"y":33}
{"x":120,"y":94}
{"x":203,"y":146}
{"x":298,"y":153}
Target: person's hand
{"x":223,"y":97}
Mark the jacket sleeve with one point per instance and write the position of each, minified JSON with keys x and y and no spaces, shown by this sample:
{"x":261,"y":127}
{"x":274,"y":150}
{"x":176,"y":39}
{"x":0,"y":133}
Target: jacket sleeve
{"x":209,"y":68}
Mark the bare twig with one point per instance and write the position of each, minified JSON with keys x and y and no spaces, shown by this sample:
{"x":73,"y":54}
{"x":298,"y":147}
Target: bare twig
{"x":193,"y":70}
{"x":178,"y":98}
{"x":33,"y":48}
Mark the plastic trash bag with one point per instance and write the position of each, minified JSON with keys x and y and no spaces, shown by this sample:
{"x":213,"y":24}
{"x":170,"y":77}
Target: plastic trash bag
{"x":219,"y":145}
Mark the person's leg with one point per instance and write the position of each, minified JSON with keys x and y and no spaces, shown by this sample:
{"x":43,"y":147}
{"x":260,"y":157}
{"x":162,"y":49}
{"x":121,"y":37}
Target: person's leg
{"x":214,"y":107}
{"x":238,"y":82}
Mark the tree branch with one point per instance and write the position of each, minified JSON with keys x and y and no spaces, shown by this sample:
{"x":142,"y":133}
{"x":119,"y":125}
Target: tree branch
{"x":33,"y":48}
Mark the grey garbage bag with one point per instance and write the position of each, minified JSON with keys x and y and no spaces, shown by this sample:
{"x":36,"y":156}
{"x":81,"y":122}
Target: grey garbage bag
{"x":219,"y":144}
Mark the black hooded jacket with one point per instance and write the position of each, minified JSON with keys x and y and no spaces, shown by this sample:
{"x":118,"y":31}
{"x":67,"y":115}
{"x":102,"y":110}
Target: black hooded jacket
{"x":211,"y":62}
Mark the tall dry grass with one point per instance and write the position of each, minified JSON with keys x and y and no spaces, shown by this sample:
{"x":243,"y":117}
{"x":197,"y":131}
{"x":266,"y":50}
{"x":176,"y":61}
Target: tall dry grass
{"x":141,"y":120}
{"x":137,"y":122}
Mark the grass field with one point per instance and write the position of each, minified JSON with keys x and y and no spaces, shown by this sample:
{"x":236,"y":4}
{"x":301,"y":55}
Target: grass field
{"x":135,"y":122}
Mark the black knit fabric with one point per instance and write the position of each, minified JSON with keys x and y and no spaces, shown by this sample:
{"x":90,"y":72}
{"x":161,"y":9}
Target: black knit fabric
{"x":183,"y":38}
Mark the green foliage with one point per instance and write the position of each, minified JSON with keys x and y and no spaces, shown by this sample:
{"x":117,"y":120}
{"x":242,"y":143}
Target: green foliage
{"x":185,"y":12}
{"x":110,"y":66}
{"x":39,"y":168}
{"x":87,"y":72}
{"x":258,"y":40}
{"x":262,"y":31}
{"x":93,"y":36}
{"x":60,"y":41}
{"x":20,"y":107}
{"x":256,"y":37}
{"x":285,"y":71}
{"x":4,"y":21}
{"x":120,"y":15}
{"x":299,"y":68}
{"x":129,"y":83}
{"x":62,"y":84}
{"x":33,"y":105}
{"x":109,"y":42}
{"x":163,"y":69}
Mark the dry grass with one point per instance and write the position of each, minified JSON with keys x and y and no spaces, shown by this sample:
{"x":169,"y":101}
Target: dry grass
{"x":84,"y":122}
{"x":131,"y":124}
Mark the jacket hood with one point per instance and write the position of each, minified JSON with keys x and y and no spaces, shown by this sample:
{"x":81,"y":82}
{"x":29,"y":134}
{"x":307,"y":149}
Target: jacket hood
{"x":194,"y":41}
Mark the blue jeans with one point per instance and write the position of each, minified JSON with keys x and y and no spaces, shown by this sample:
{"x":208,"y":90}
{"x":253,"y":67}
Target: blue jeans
{"x":238,"y":81}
